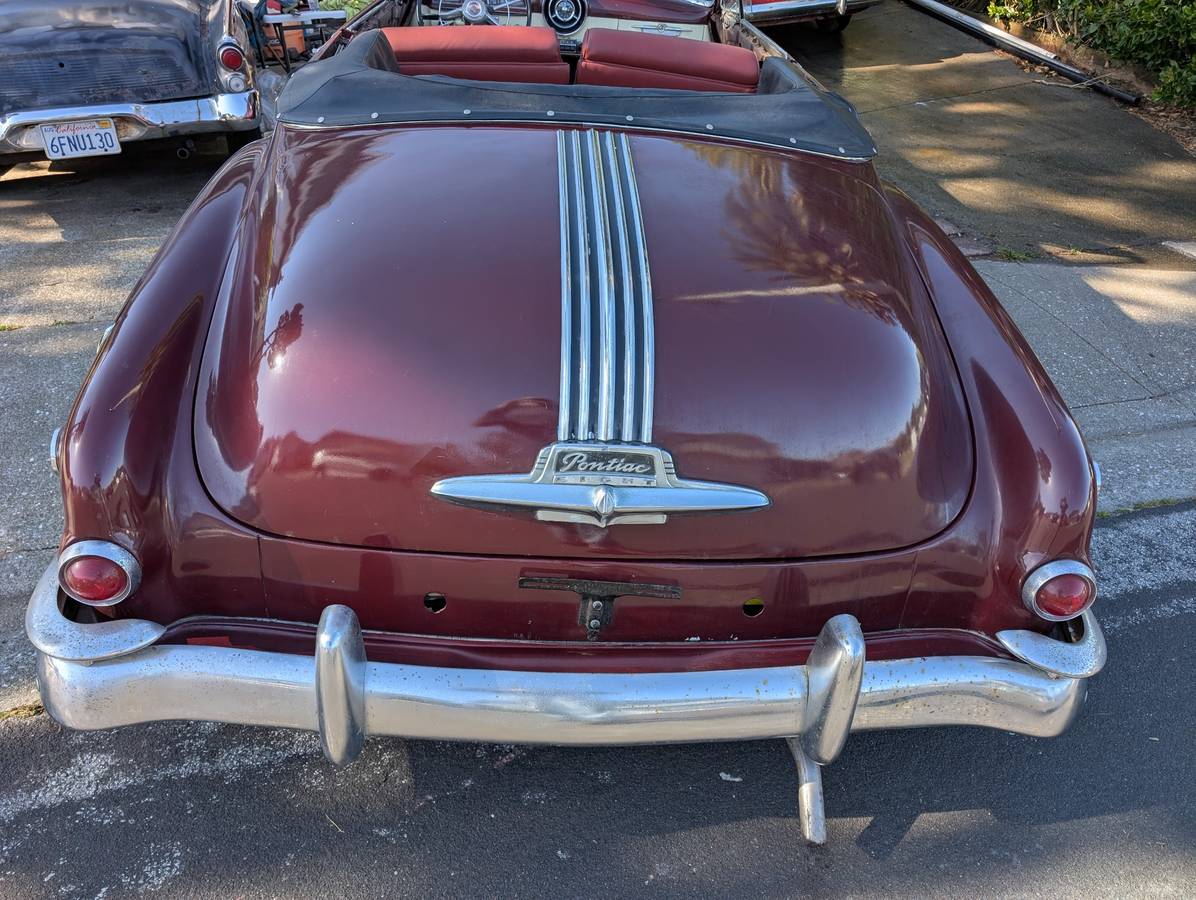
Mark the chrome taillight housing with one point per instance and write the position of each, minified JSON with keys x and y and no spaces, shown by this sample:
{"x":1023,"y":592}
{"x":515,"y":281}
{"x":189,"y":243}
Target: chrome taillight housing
{"x":98,"y":573}
{"x":232,"y":60}
{"x":1059,"y":590}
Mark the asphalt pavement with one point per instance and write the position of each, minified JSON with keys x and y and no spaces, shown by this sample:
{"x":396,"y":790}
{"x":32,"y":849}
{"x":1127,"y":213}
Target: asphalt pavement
{"x":191,"y":810}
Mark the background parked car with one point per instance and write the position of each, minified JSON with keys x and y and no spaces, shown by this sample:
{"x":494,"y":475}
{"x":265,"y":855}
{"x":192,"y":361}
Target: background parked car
{"x":829,"y":15}
{"x":83,"y":77}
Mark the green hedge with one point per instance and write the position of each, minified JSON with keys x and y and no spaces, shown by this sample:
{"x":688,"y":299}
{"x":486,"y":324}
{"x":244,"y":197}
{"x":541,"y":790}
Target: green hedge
{"x":1157,"y":34}
{"x":352,"y":7}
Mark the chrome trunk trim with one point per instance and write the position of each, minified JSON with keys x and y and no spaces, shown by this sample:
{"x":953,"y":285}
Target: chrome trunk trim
{"x":603,"y":429}
{"x":569,"y":275}
{"x":606,"y":293}
{"x":624,"y":484}
{"x":607,"y":366}
{"x":643,"y":274}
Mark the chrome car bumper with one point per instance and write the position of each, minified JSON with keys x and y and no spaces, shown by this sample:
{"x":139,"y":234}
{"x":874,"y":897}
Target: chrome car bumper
{"x":782,"y":12}
{"x":116,"y":673}
{"x":19,"y":131}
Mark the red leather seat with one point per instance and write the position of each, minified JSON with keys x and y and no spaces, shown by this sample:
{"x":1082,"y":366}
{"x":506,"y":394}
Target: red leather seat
{"x":633,"y":59}
{"x":481,"y":52}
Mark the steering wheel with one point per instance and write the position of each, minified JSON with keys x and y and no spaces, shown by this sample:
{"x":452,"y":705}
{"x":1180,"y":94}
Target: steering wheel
{"x":483,"y":12}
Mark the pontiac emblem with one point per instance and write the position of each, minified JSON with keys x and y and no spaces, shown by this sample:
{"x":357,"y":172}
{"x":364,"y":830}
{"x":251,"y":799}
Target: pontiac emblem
{"x":600,"y":484}
{"x":599,"y":463}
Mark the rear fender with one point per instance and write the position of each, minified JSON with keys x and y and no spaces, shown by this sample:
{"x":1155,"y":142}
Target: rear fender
{"x":1032,"y":466}
{"x":126,"y":456}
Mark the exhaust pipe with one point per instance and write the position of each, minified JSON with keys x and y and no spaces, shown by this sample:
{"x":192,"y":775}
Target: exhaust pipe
{"x":183,"y":153}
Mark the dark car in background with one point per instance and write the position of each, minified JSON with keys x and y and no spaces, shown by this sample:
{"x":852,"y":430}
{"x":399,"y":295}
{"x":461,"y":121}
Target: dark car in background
{"x":84,"y":77}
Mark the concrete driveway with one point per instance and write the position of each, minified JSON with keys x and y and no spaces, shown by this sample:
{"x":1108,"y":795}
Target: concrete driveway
{"x":1105,"y":811}
{"x":1015,"y":160}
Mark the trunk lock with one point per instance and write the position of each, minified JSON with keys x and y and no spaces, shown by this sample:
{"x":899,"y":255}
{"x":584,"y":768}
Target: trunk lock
{"x":597,"y":606}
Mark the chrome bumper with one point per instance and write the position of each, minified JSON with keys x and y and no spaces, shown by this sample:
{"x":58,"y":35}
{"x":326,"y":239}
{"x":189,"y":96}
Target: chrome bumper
{"x":116,"y":673}
{"x":782,"y":12}
{"x":19,"y":131}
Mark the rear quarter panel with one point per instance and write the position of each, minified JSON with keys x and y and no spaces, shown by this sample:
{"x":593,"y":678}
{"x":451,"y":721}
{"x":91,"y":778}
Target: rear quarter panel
{"x":126,"y":457}
{"x":1035,"y":495}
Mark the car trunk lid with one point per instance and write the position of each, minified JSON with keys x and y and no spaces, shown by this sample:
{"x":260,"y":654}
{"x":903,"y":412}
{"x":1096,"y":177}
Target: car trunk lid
{"x":393,"y":318}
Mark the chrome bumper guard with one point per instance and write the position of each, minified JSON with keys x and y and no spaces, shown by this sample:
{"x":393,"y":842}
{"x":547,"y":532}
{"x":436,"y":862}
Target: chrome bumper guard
{"x":116,"y":673}
{"x":20,"y":132}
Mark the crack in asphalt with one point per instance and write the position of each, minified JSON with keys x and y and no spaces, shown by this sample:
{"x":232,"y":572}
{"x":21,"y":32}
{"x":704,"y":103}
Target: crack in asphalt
{"x":13,"y":551}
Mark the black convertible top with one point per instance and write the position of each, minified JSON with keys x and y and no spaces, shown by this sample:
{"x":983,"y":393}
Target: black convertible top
{"x":361,"y":85}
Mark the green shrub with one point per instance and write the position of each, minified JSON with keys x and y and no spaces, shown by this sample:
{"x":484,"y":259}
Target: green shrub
{"x":352,"y":7}
{"x":1159,"y":35}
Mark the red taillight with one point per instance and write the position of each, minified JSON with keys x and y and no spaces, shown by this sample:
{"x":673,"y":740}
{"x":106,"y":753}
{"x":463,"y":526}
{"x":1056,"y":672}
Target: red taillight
{"x":231,"y":58}
{"x":93,"y":579}
{"x":1064,"y":596}
{"x":98,"y":573}
{"x":1059,"y":590}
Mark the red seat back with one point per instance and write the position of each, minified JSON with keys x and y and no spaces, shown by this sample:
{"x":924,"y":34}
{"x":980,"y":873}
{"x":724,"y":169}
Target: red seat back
{"x":481,"y":53}
{"x":632,"y":59}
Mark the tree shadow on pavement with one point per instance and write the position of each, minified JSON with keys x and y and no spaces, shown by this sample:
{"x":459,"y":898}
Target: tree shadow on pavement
{"x":1040,"y":168}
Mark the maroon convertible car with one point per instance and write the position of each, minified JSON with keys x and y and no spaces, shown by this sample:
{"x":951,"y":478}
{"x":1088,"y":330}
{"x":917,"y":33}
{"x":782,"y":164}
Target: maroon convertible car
{"x":577,"y":387}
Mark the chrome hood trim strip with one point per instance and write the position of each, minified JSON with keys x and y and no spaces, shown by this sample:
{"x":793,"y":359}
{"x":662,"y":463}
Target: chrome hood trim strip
{"x":602,"y":469}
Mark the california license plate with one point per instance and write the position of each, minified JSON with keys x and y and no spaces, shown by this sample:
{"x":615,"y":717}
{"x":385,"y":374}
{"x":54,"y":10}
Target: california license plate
{"x":90,"y":137}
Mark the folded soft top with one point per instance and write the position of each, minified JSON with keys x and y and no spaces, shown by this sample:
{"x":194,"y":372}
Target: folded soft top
{"x":361,"y":85}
